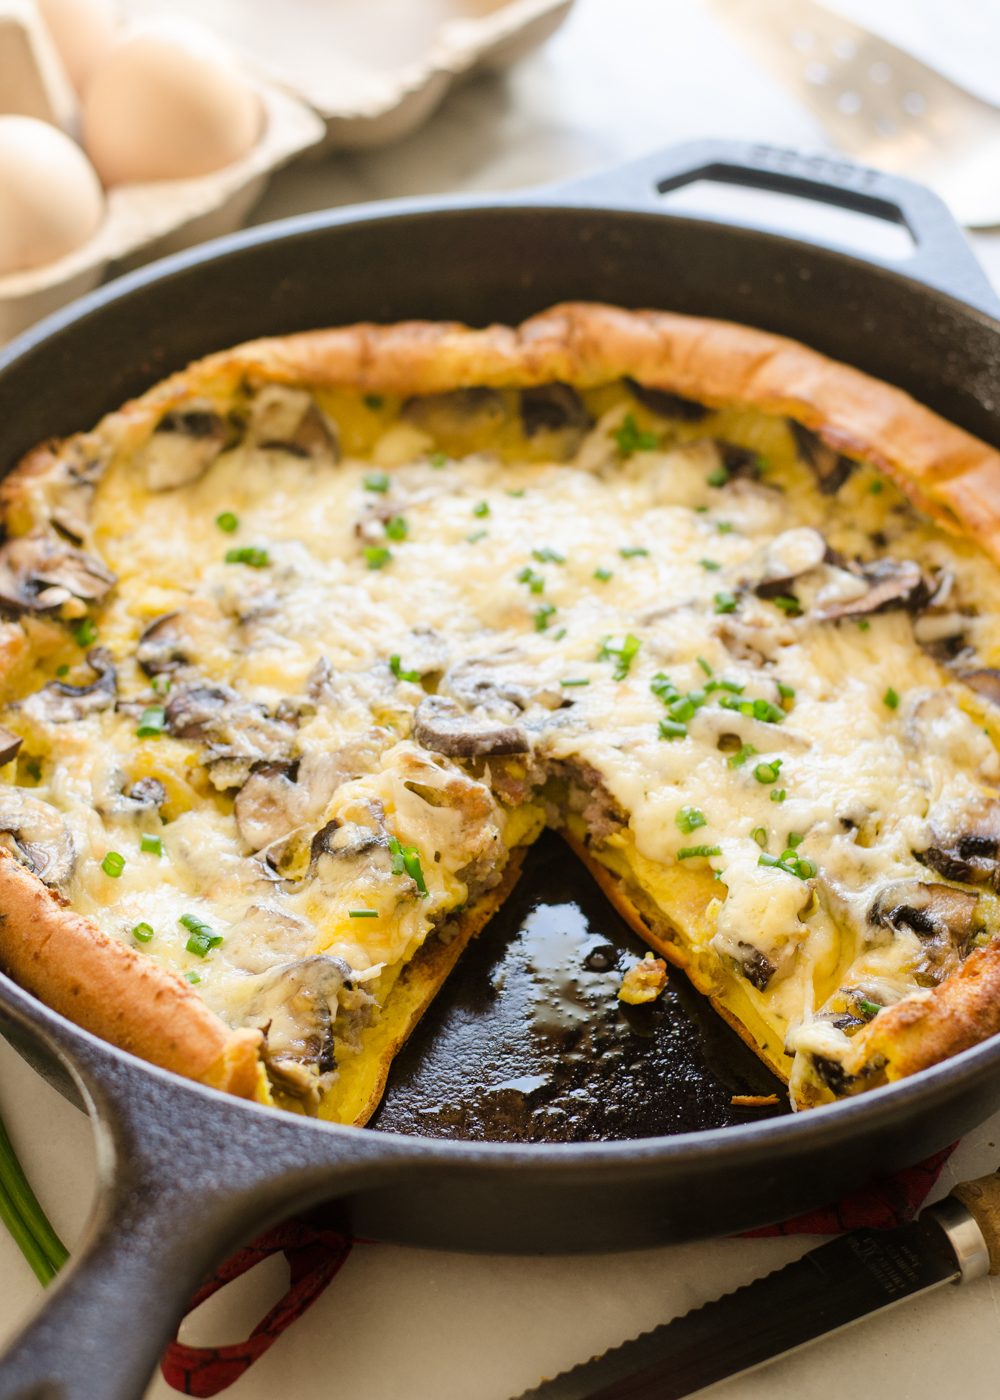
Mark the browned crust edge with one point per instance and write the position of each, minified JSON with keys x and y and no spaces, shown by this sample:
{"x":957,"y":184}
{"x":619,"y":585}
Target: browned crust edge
{"x":950,"y":474}
{"x":428,"y":969}
{"x":614,"y":889}
{"x":116,"y":992}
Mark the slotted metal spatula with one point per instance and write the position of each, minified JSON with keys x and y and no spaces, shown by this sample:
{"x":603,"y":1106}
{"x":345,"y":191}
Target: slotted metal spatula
{"x":878,"y":103}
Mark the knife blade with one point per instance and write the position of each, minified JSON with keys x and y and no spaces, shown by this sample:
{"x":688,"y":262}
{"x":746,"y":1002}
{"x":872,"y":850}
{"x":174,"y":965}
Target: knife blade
{"x":830,"y":1287}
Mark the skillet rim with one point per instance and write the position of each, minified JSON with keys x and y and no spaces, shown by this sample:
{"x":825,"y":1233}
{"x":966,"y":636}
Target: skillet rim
{"x":906,"y":1095}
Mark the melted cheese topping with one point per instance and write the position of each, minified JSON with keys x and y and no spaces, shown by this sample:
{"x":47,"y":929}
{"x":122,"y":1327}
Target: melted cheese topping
{"x":546,"y":569}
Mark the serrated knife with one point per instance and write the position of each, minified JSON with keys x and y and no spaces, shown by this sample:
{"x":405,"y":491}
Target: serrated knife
{"x":957,"y":1240}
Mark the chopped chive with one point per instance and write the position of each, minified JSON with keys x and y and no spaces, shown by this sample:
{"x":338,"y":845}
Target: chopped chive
{"x":759,"y":834}
{"x":397,"y":528}
{"x":768,"y":772}
{"x":663,"y":687}
{"x":737,"y":760}
{"x":62,"y":670}
{"x":672,"y":729}
{"x":710,"y":564}
{"x":113,"y":864}
{"x":476,"y":536}
{"x":542,"y":616}
{"x":686,"y":852}
{"x":704,"y":665}
{"x":152,"y":723}
{"x":256,"y":558}
{"x":377,"y":481}
{"x":152,"y":845}
{"x":805,"y":868}
{"x":688,"y":819}
{"x":697,"y":697}
{"x":558,"y":636}
{"x":401,"y":675}
{"x":795,"y":839}
{"x":890,"y":698}
{"x":788,"y":854}
{"x":161,"y":684}
{"x":85,"y":633}
{"x":603,"y":575}
{"x":625,"y":654}
{"x":203,"y":937}
{"x":374,"y":402}
{"x":870,"y":1008}
{"x":778,"y":795}
{"x":787,"y":692}
{"x":192,"y":977}
{"x":863,"y":625}
{"x":723,"y":684}
{"x":724,"y":527}
{"x":143,"y":932}
{"x":790,"y":864}
{"x":585,"y":680}
{"x":411,"y":864}
{"x":547,"y":555}
{"x":376,"y":556}
{"x":681,"y":709}
{"x":701,"y":509}
{"x":34,"y":769}
{"x":787,"y":604}
{"x":725,"y":603}
{"x":396,"y":851}
{"x":536,"y":582}
{"x":754,"y":709}
{"x":720,"y":477}
{"x":227,"y":521}
{"x":875,"y":489}
{"x":362,"y":913}
{"x":632,"y":551}
{"x":630,"y":439}
{"x":481,"y":508}
{"x":515,"y":493}
{"x":437,"y":459}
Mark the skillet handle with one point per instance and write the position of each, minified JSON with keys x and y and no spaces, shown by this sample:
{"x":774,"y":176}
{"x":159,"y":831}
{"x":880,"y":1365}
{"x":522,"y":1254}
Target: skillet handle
{"x":943,"y":259}
{"x":187,"y":1175}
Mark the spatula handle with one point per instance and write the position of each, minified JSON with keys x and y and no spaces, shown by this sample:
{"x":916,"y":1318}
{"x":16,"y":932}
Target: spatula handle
{"x":981,"y":1199}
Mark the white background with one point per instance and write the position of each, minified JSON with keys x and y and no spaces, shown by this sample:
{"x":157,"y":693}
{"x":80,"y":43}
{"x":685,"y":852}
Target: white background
{"x":622,"y":78}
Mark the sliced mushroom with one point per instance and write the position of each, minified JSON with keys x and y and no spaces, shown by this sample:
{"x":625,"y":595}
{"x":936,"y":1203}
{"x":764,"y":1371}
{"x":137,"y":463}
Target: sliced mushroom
{"x":505,"y":684}
{"x":969,"y":854}
{"x":270,"y":804}
{"x":461,"y":414}
{"x":40,"y":571}
{"x":790,"y":554}
{"x":667,"y":405}
{"x":303,"y":1007}
{"x":892,"y":583}
{"x":36,"y":834}
{"x":985,"y":682}
{"x":754,"y":966}
{"x":742,"y":463}
{"x":161,"y":646}
{"x":148,"y":792}
{"x":267,"y":936}
{"x":289,"y":420}
{"x":830,"y":467}
{"x":940,"y":916}
{"x":347,"y":840}
{"x":10,"y":745}
{"x":238,"y":732}
{"x":441,"y":725}
{"x":549,"y":408}
{"x":59,"y":703}
{"x":183,"y":446}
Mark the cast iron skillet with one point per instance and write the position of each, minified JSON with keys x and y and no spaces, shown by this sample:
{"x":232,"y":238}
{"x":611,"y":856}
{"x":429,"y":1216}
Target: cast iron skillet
{"x":187,"y":1174}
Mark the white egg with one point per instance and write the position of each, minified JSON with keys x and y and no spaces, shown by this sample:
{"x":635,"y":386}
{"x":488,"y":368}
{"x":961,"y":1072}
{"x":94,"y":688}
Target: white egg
{"x":51,"y":200}
{"x":83,"y":31}
{"x":167,"y":104}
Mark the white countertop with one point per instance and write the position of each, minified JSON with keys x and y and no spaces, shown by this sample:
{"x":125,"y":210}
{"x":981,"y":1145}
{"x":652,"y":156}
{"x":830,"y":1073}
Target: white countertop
{"x":621,"y":79}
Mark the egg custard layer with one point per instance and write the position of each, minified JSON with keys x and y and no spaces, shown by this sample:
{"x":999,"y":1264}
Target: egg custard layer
{"x":318,"y":662}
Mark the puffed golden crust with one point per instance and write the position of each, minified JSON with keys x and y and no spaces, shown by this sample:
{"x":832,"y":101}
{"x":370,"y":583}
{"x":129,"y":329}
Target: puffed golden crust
{"x":947,"y":473}
{"x":65,"y":960}
{"x":961,"y":1012}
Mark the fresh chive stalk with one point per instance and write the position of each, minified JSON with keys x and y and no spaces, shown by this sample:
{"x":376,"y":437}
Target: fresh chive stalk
{"x":25,"y":1219}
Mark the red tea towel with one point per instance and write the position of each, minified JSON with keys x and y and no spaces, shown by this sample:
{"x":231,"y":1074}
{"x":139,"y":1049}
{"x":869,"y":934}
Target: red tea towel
{"x":316,"y":1252}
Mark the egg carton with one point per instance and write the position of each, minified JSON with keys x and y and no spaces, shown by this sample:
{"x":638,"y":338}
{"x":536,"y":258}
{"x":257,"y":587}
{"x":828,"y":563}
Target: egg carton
{"x":147,"y":221}
{"x":374,"y":70}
